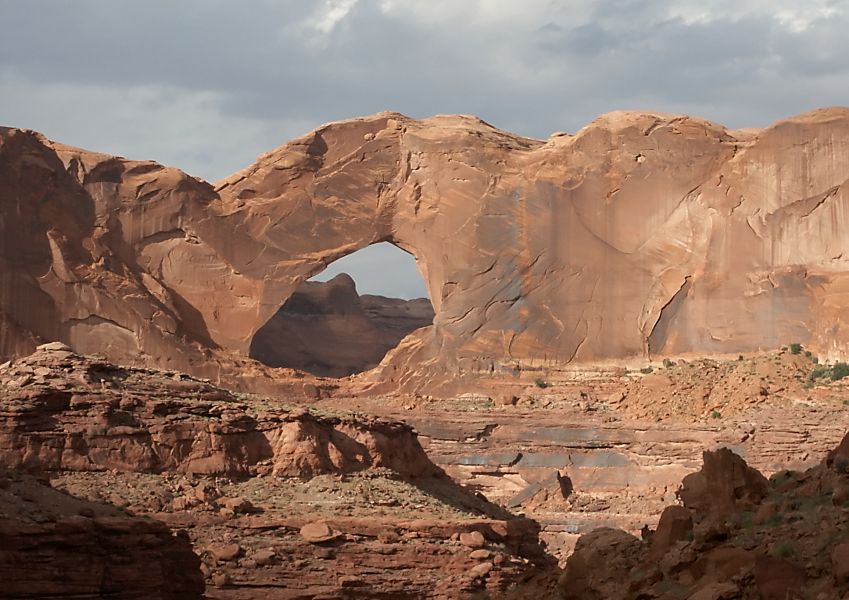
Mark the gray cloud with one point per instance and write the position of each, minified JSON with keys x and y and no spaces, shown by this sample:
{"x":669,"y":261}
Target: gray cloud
{"x":207,"y":85}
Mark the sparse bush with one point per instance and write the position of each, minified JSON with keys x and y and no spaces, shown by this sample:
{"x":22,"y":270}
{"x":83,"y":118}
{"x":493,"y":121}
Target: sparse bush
{"x":818,"y":373}
{"x":808,"y":353}
{"x":795,"y":348}
{"x":839,"y":371}
{"x":646,"y":370}
{"x":541,"y":383}
{"x":740,"y":357}
{"x":716,"y":415}
{"x":668,"y":363}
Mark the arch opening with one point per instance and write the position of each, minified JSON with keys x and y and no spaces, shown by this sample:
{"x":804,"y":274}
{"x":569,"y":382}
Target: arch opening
{"x":347,"y":317}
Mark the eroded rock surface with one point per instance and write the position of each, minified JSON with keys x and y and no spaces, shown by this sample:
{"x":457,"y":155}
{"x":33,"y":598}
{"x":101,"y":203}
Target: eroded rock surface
{"x":737,"y":535}
{"x":279,"y":502}
{"x":641,"y":234}
{"x":61,"y":411}
{"x":58,"y":546}
{"x":328,"y":329}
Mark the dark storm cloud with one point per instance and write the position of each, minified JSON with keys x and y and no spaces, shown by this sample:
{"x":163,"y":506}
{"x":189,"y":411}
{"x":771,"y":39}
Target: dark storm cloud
{"x":207,"y":85}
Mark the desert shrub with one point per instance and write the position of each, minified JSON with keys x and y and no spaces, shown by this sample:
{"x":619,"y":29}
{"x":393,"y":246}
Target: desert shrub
{"x":839,"y":371}
{"x":795,"y":348}
{"x":716,"y":415}
{"x":819,"y":373}
{"x":668,"y":363}
{"x":740,"y":357}
{"x":646,"y":370}
{"x":541,"y":383}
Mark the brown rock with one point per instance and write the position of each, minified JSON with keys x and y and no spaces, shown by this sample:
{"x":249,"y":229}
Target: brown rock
{"x":264,"y":557}
{"x":49,"y":550}
{"x":317,"y":533}
{"x":224,"y":552}
{"x":481,"y":554}
{"x":237,"y":505}
{"x":675,"y":525}
{"x":481,"y":570}
{"x":778,"y":579}
{"x":725,"y":483}
{"x":472,"y":539}
{"x":840,"y":563}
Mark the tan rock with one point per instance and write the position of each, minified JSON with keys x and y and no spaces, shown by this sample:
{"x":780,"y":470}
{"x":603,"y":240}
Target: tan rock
{"x":481,"y":570}
{"x":472,"y":539}
{"x":237,"y":505}
{"x":317,"y":533}
{"x":264,"y":557}
{"x":224,"y":552}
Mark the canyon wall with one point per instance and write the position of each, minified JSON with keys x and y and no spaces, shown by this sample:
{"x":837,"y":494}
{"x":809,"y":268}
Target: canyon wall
{"x":642,"y":234}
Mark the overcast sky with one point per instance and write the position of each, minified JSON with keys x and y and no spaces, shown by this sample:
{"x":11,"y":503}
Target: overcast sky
{"x":207,"y":85}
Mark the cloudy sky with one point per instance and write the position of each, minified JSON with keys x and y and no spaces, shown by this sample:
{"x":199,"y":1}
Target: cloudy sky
{"x":207,"y":85}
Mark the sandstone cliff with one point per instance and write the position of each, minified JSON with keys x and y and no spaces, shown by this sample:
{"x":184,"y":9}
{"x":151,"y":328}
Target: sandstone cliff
{"x":641,"y":234}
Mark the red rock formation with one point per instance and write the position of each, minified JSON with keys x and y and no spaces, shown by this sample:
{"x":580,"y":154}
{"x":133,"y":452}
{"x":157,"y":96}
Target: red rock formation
{"x":642,"y":233}
{"x":328,"y":329}
{"x":63,"y":412}
{"x":244,"y":477}
{"x":57,"y":546}
{"x":736,"y":536}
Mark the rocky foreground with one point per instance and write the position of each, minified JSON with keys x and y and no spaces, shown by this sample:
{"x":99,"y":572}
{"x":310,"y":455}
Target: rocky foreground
{"x":250,"y":497}
{"x":735,"y":535}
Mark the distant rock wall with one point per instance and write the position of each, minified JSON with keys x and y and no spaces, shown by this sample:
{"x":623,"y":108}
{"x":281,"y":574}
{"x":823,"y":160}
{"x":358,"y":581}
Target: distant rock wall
{"x":328,"y":329}
{"x":641,"y":234}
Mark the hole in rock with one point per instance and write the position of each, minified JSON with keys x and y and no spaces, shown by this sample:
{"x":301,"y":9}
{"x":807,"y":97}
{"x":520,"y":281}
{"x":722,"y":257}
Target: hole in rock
{"x":334,"y":327}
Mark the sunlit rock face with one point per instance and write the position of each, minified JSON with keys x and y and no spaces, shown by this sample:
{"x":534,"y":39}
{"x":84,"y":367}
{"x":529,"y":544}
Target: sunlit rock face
{"x":641,"y":234}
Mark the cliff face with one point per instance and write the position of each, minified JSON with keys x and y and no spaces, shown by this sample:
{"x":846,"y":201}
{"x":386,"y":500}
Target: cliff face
{"x":328,"y":329}
{"x":643,"y":233}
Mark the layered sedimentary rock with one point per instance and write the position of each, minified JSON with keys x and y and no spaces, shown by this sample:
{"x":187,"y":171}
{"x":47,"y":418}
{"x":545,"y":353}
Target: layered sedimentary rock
{"x":641,"y":234}
{"x":328,"y":329}
{"x":278,"y":502}
{"x":63,"y":412}
{"x":58,"y":546}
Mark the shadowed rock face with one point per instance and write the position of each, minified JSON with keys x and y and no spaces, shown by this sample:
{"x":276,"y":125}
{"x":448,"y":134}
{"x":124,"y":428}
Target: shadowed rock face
{"x":328,"y":329}
{"x":642,"y":233}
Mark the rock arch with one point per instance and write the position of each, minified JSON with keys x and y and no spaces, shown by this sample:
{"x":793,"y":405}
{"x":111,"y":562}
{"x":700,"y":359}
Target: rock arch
{"x":642,"y":233}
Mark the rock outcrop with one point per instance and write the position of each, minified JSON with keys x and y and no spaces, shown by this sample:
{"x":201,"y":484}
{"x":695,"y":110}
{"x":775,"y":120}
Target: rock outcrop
{"x":737,"y":535}
{"x":58,"y":546}
{"x":328,"y":329}
{"x":277,"y":501}
{"x":641,"y":234}
{"x":63,"y":412}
